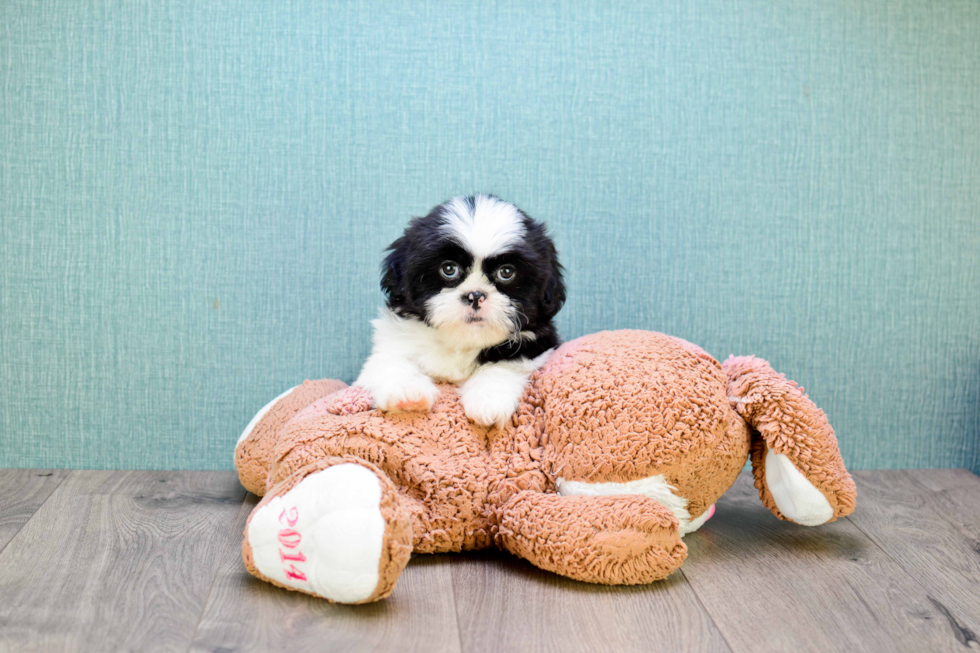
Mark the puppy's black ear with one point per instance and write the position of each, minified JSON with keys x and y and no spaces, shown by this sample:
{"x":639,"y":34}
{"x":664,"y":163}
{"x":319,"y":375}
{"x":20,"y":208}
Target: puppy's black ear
{"x":553,"y":297}
{"x":393,"y":273}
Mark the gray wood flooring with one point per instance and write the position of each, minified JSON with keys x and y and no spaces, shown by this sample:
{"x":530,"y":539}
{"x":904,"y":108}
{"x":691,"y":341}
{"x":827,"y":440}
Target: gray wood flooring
{"x":145,"y":561}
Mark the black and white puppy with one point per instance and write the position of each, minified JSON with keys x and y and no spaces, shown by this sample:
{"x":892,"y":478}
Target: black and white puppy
{"x":471,"y":290}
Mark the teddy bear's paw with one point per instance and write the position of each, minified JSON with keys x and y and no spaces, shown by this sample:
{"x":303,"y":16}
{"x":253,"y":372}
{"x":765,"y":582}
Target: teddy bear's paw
{"x":349,"y":401}
{"x":796,"y":497}
{"x":325,"y":536}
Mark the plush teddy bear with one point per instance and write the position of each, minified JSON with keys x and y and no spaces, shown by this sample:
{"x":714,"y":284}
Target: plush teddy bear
{"x":621,"y":445}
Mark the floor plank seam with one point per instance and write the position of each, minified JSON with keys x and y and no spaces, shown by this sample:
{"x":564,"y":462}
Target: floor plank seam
{"x":697,"y":596}
{"x":217,"y":572}
{"x":36,"y":510}
{"x":459,"y":626}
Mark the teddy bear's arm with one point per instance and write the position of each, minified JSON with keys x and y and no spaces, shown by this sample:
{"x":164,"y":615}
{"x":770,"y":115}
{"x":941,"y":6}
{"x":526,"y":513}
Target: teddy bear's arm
{"x":615,"y":540}
{"x":796,"y":463}
{"x":254,"y":449}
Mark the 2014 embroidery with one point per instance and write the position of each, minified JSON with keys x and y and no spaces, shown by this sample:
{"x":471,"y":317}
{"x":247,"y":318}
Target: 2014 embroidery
{"x":290,"y":538}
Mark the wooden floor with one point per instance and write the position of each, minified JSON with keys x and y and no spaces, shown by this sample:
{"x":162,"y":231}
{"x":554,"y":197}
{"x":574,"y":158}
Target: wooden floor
{"x":142,"y":561}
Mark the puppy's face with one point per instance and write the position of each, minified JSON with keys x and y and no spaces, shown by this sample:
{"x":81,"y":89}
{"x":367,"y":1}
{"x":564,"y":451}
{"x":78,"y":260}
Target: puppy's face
{"x":477,"y":269}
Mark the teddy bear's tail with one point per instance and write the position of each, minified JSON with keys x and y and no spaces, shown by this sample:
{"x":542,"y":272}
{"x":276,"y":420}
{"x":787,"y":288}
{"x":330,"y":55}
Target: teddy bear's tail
{"x":796,"y":462}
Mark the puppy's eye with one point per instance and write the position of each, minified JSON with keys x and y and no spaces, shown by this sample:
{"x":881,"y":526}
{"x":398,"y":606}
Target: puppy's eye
{"x":506,"y":273}
{"x":449,"y":270}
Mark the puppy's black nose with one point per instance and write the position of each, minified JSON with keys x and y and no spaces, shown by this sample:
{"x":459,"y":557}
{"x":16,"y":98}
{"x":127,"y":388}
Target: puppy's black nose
{"x":474,"y":298}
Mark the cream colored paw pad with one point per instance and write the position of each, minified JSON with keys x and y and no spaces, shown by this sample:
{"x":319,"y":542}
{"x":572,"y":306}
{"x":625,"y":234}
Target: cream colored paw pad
{"x":795,"y":496}
{"x":324,"y":536}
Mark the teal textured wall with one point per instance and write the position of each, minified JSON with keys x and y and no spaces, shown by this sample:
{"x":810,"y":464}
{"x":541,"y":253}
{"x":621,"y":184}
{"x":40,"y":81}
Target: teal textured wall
{"x":194,"y":198}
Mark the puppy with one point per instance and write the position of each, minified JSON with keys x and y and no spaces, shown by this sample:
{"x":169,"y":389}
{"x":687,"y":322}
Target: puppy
{"x":471,"y":290}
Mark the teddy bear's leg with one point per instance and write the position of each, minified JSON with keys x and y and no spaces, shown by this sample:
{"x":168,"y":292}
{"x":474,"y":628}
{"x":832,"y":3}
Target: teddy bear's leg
{"x":254,"y":449}
{"x":797,"y":466}
{"x":655,"y":487}
{"x":615,"y":540}
{"x":334,"y":529}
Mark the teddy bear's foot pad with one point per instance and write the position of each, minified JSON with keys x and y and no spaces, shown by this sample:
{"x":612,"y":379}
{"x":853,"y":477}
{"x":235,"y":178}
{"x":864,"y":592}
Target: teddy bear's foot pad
{"x":797,"y":498}
{"x":324,"y":536}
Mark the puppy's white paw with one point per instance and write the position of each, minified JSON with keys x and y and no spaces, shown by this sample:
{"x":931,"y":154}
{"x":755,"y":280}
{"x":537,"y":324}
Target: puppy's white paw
{"x":492,"y":395}
{"x":489,"y":408}
{"x":415,"y":393}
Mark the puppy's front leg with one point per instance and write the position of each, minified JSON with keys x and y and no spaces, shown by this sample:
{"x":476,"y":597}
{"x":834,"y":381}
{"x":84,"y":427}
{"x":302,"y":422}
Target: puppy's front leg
{"x":397,"y":384}
{"x":491,"y":395}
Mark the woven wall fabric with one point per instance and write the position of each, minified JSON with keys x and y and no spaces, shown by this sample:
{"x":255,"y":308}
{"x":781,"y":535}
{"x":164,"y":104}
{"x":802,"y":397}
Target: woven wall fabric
{"x":194,"y":198}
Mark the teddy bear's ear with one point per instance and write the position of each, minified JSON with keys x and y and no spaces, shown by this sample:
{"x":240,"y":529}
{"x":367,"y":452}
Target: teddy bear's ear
{"x":393,"y":273}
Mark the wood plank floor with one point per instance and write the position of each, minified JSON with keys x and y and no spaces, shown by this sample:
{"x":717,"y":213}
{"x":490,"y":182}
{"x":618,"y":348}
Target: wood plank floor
{"x":145,"y":561}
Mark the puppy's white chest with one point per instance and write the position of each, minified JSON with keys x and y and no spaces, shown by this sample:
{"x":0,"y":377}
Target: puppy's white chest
{"x":454,"y":366}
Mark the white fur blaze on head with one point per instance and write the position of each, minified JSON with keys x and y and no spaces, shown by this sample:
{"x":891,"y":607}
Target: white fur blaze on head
{"x":491,"y":227}
{"x":259,"y":415}
{"x":324,"y":536}
{"x":796,"y":497}
{"x":653,"y":487}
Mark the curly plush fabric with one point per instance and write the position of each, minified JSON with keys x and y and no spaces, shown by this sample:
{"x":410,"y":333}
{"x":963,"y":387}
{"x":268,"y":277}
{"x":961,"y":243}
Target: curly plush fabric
{"x":651,"y":416}
{"x":616,"y":540}
{"x":253,"y":453}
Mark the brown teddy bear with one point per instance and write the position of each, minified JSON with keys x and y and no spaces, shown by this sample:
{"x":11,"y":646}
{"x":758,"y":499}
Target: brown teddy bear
{"x":621,"y":445}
